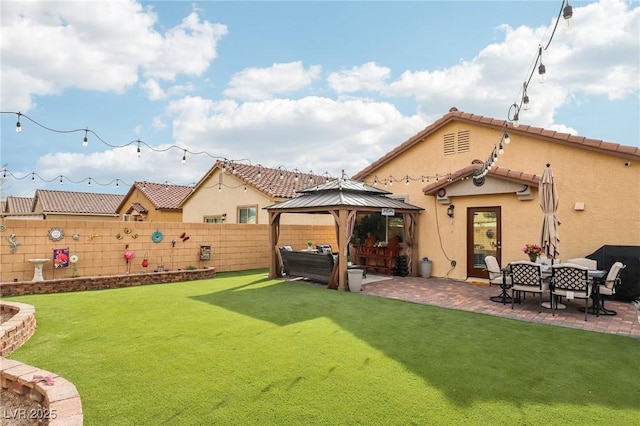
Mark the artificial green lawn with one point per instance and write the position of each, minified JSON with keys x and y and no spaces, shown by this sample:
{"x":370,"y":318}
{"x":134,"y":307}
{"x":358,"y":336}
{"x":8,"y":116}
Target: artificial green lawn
{"x":242,"y":349}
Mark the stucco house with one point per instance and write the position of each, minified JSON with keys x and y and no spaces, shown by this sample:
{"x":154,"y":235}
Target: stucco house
{"x":468,"y":216}
{"x":232,"y":192}
{"x":157,"y":202}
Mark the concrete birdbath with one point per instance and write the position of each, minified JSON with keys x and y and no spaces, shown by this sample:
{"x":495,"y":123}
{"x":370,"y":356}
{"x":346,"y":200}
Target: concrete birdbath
{"x":37,"y":264}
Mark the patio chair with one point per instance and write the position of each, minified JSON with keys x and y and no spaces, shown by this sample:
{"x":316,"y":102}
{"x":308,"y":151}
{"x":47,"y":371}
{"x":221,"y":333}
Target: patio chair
{"x":493,"y":268}
{"x":526,"y":277}
{"x":608,"y":289}
{"x":571,"y":282}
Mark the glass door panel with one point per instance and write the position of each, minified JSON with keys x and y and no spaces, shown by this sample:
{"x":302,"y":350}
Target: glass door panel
{"x":483,"y":238}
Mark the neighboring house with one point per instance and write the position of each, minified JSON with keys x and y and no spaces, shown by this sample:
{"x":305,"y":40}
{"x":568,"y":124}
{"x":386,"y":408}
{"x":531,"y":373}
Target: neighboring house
{"x":467,"y":218}
{"x":158,"y":202}
{"x":68,"y":205}
{"x":237,"y":193}
{"x":19,"y":206}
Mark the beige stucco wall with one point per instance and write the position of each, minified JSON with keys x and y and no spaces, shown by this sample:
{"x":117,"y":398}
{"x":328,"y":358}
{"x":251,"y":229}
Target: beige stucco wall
{"x":609,"y":190}
{"x":234,"y":247}
{"x":212,"y":199}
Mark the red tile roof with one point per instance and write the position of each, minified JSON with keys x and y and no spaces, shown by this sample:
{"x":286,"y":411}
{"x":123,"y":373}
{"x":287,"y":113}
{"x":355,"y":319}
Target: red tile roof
{"x":163,"y":196}
{"x":274,"y":183}
{"x":68,"y":202}
{"x":629,"y":152}
{"x":529,"y":179}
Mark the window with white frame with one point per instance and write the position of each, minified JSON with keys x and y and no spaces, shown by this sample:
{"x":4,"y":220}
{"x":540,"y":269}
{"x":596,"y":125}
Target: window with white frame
{"x":214,"y":219}
{"x":248,"y":214}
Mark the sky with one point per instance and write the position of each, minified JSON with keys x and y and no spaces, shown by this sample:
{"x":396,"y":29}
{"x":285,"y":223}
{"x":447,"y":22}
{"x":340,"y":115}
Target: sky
{"x":298,"y":85}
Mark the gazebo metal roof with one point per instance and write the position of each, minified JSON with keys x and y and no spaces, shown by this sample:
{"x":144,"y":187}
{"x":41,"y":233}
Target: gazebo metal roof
{"x":341,"y":192}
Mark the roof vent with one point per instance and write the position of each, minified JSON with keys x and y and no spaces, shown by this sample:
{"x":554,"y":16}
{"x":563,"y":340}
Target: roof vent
{"x":453,"y":109}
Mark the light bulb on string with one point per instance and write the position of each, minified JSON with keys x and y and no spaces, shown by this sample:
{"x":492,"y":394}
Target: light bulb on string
{"x":506,"y":138}
{"x":85,"y":141}
{"x":500,"y":149}
{"x":60,"y":179}
{"x":184,"y":156}
{"x":33,"y":178}
{"x":138,"y":153}
{"x":18,"y":125}
{"x":542,"y":70}
{"x":117,"y":184}
{"x":567,"y":14}
{"x":89,"y":183}
{"x":525,"y":102}
{"x":542,"y":73}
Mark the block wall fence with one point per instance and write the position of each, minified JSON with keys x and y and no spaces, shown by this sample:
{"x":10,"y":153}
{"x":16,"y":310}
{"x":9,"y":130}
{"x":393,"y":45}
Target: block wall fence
{"x":100,"y":246}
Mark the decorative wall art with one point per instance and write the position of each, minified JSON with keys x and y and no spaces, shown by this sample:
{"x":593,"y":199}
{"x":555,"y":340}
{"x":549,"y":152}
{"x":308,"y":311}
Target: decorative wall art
{"x":60,"y":258}
{"x":13,"y":242}
{"x":205,"y":252}
{"x":157,"y":236}
{"x":56,"y":234}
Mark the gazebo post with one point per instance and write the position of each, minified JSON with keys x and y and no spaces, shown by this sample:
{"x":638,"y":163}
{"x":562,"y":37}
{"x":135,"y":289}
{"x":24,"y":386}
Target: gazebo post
{"x":342,"y":244}
{"x":274,"y":224}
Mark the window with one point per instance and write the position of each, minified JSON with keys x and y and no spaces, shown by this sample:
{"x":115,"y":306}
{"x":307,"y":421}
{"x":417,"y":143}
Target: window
{"x":214,"y":219}
{"x":126,"y":217}
{"x":248,"y":214}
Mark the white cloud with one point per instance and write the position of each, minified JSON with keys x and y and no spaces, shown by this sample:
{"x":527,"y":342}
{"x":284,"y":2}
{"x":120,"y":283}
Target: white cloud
{"x":310,"y":133}
{"x":186,"y":49}
{"x":595,"y":57}
{"x":153,"y":89}
{"x":47,"y":47}
{"x":370,"y":77}
{"x":264,"y":83}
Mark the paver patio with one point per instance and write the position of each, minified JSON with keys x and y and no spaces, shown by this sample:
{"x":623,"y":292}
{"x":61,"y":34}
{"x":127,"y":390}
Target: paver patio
{"x":474,"y":297}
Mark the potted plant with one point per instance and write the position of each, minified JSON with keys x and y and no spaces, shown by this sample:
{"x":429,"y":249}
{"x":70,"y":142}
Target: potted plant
{"x":533,"y":251}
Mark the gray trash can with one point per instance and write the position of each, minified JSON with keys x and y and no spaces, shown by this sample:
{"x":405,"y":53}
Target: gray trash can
{"x":355,"y":279}
{"x":425,"y":268}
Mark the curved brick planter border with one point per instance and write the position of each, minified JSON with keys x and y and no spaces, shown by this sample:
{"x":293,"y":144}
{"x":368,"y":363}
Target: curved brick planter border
{"x":61,"y":399}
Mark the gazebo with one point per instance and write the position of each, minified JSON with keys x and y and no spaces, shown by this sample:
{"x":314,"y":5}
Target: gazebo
{"x":343,"y":199}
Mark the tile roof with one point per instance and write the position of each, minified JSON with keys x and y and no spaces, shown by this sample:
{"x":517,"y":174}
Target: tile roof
{"x":274,"y":183}
{"x":18,"y":205}
{"x":629,"y":152}
{"x":138,"y":208}
{"x":68,"y":202}
{"x":163,"y":196}
{"x":529,"y":179}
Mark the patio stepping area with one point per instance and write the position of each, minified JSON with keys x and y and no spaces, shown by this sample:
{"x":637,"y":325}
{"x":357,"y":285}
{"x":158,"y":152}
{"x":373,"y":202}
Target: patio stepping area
{"x":472,"y":297}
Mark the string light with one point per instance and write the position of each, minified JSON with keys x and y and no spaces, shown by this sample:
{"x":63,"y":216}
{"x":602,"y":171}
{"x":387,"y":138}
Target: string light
{"x":567,"y":14}
{"x":542,"y":70}
{"x":566,"y":11}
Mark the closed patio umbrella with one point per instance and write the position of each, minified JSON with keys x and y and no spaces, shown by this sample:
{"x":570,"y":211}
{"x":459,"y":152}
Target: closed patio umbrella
{"x":549,"y":239}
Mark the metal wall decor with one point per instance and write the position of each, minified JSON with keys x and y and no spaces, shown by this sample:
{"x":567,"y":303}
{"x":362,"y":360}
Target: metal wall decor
{"x":56,"y":234}
{"x":157,"y":236}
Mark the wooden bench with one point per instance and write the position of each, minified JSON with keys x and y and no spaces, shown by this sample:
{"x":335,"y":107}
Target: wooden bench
{"x":314,"y":266}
